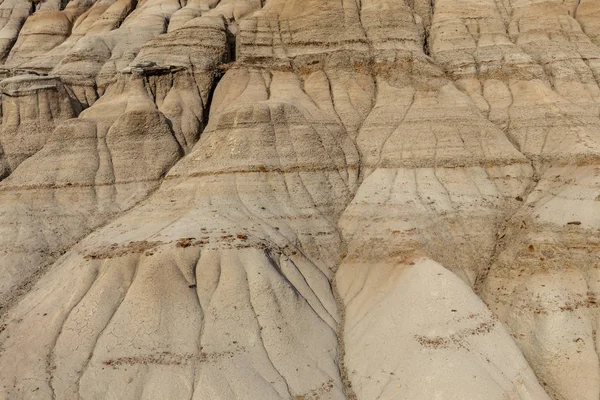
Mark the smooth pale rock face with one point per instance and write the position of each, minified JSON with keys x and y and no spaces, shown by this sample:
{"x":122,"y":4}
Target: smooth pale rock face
{"x":299,"y":199}
{"x":452,"y":346}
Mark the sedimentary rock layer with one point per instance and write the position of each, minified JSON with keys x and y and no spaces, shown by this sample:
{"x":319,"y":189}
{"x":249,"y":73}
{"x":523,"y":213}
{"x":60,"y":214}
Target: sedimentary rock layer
{"x":299,"y":199}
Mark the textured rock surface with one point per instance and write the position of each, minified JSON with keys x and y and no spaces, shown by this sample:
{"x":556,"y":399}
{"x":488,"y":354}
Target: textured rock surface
{"x":300,"y":199}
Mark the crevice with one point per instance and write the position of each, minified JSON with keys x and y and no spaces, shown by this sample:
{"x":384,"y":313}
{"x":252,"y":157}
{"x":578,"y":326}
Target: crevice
{"x":218,"y":75}
{"x":193,"y":388}
{"x":341,"y":327}
{"x":346,"y":382}
{"x":594,"y":337}
{"x":319,"y":302}
{"x":395,"y":130}
{"x":231,"y":42}
{"x":262,"y":342}
{"x":575,"y":9}
{"x":501,"y":231}
{"x":426,"y":30}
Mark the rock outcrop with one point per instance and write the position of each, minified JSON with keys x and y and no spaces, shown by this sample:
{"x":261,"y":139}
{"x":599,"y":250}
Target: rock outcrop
{"x":300,"y":199}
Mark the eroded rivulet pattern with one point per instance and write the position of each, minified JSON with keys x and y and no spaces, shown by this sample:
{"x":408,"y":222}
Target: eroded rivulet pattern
{"x":300,"y":199}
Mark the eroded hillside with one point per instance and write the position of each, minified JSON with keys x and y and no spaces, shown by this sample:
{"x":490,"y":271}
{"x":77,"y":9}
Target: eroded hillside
{"x":300,"y":199}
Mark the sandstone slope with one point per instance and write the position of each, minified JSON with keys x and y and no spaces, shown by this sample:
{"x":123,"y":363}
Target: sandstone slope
{"x":300,"y":199}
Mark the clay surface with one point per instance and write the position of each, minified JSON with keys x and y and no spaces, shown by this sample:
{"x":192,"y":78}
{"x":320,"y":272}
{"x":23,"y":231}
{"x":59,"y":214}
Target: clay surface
{"x":300,"y":199}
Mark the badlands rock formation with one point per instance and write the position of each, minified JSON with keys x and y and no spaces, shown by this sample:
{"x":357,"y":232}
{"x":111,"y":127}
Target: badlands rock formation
{"x":300,"y":199}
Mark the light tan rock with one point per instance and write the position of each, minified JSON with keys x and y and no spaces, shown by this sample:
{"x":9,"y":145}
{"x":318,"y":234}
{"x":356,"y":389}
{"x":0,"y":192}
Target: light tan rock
{"x":222,"y":199}
{"x":31,"y":108}
{"x":587,"y":13}
{"x":544,"y":280}
{"x":96,"y":166}
{"x":452,"y":346}
{"x":550,"y":111}
{"x":254,"y":269}
{"x":41,"y":32}
{"x":13,"y":15}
